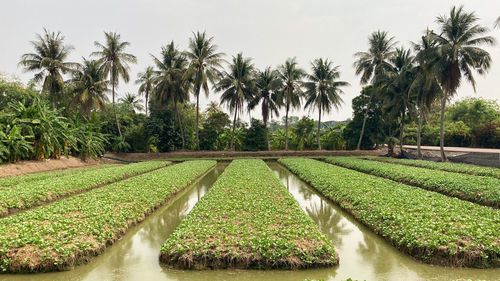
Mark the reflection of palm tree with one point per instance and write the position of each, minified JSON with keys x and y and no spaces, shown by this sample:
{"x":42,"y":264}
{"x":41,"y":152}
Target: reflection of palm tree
{"x":372,"y":250}
{"x":329,"y":221}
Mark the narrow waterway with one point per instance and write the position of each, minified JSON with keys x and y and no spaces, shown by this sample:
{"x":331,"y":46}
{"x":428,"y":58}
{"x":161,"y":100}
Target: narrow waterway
{"x":363,"y":255}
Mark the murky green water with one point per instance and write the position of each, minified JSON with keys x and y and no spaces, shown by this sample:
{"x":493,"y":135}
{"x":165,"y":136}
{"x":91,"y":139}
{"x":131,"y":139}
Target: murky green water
{"x":363,"y":255}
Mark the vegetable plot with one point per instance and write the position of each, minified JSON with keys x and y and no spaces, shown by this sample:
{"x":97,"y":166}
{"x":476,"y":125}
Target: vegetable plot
{"x":247,"y":220}
{"x":72,"y":230}
{"x":429,"y":226}
{"x":444,"y":166}
{"x":22,"y":196}
{"x":481,"y":190}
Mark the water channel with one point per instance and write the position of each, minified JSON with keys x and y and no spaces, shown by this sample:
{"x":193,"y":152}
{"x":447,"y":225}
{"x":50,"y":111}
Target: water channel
{"x":363,"y":255}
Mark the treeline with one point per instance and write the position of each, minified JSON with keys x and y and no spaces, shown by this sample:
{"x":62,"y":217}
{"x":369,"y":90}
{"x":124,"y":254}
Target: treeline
{"x":66,"y":109}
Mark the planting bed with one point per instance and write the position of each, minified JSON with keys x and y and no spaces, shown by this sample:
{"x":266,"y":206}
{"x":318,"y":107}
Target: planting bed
{"x":70,"y":231}
{"x":29,"y":194}
{"x":444,"y":166}
{"x":427,"y":225}
{"x":247,"y":220}
{"x":481,"y":190}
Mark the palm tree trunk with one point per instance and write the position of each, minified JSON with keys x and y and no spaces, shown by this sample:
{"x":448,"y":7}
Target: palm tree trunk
{"x":147,"y":99}
{"x":319,"y":129}
{"x":419,"y":131}
{"x":234,"y":126}
{"x":197,"y":117}
{"x":358,"y":147}
{"x":114,"y":111}
{"x":267,"y":134}
{"x":180,"y":124}
{"x":401,"y":132}
{"x":286,"y":126}
{"x":441,"y":130}
{"x":53,"y":102}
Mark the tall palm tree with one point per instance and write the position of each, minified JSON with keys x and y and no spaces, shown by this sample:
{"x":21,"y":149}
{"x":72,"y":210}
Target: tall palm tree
{"x":49,"y":62}
{"x":372,"y":65}
{"x":268,"y":84}
{"x":205,"y":64}
{"x":323,"y":89}
{"x":425,"y":87}
{"x":291,"y":92}
{"x":134,"y":102}
{"x":171,"y":84}
{"x":115,"y":62}
{"x":91,"y":87}
{"x":460,"y":53}
{"x":497,"y":22}
{"x":145,"y":81}
{"x":237,"y":87}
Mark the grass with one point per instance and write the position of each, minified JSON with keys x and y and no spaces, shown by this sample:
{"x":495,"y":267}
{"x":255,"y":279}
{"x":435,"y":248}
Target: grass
{"x":444,"y":166}
{"x":429,"y":226}
{"x":477,"y":189}
{"x":29,"y":194}
{"x":71,"y":231}
{"x":247,"y":220}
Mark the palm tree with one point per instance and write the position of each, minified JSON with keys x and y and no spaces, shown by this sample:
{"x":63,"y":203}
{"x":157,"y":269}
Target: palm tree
{"x":133,"y":101}
{"x":145,"y":80}
{"x":425,"y":87}
{"x":91,"y":87}
{"x":459,"y":54}
{"x":497,"y":22}
{"x":291,"y":91}
{"x":49,"y":62}
{"x":323,"y":89}
{"x":171,"y":84}
{"x":372,"y":65}
{"x":204,"y":65}
{"x":114,"y":62}
{"x":237,"y":87}
{"x":268,"y":84}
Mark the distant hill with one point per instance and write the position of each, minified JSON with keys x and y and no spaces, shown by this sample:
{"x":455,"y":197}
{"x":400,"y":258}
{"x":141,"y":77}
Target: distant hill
{"x":332,"y":123}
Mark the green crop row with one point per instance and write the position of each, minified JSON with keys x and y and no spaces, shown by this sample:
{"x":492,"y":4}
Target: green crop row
{"x":247,"y":220}
{"x":481,"y":190}
{"x":25,"y":195}
{"x":444,"y":166}
{"x":8,"y":181}
{"x":70,"y":231}
{"x":430,"y":226}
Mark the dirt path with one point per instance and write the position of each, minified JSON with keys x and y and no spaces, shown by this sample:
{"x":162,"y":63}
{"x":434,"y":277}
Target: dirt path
{"x":28,"y":167}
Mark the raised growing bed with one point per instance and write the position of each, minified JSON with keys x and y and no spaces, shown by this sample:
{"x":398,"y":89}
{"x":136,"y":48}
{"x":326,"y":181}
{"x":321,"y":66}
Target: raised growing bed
{"x":247,"y":220}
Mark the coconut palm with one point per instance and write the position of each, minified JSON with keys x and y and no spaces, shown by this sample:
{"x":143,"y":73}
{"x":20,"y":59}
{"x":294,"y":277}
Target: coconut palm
{"x":497,"y":22}
{"x":49,"y":62}
{"x":290,"y":92}
{"x":237,"y":87}
{"x":425,"y":87}
{"x":133,"y":101}
{"x":323,"y":89}
{"x":204,"y":64}
{"x":115,"y":62}
{"x":90,"y":87}
{"x":145,"y":81}
{"x":171,"y":84}
{"x":373,"y":65}
{"x":459,"y":54}
{"x":268,"y":84}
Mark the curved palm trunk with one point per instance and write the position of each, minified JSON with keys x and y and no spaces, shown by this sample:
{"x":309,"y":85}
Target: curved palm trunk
{"x":358,"y":147}
{"x":114,"y":110}
{"x":419,"y":131}
{"x":319,"y":129}
{"x":441,"y":130}
{"x":198,"y":117}
{"x":234,"y":126}
{"x":401,"y":133}
{"x":286,"y":126}
{"x":180,"y":124}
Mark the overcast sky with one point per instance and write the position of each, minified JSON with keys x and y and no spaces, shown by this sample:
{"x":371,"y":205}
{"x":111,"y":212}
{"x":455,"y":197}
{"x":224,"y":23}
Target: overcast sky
{"x":267,"y":31}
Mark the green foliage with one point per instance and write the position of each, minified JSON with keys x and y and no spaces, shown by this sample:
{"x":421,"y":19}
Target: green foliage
{"x":430,"y":226}
{"x":70,"y":231}
{"x":213,"y":126}
{"x":248,"y":219}
{"x":255,"y":138}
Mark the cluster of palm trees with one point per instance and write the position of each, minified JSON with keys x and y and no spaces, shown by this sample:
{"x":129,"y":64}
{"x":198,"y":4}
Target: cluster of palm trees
{"x":413,"y":79}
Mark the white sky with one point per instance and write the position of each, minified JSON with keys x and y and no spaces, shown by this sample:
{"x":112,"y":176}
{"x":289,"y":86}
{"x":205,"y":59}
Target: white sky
{"x":268,"y":31}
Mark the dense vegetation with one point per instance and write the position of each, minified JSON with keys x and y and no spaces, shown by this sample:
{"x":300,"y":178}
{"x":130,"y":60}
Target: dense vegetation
{"x":481,"y":190}
{"x":33,"y":193}
{"x":430,"y":226}
{"x":247,"y":220}
{"x":66,"y":110}
{"x":70,"y":231}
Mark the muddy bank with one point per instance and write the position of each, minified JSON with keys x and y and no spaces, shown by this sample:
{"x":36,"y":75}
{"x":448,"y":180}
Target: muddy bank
{"x":35,"y":166}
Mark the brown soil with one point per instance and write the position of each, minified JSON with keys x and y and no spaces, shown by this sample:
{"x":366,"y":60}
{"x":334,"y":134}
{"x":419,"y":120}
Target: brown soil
{"x":35,"y":166}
